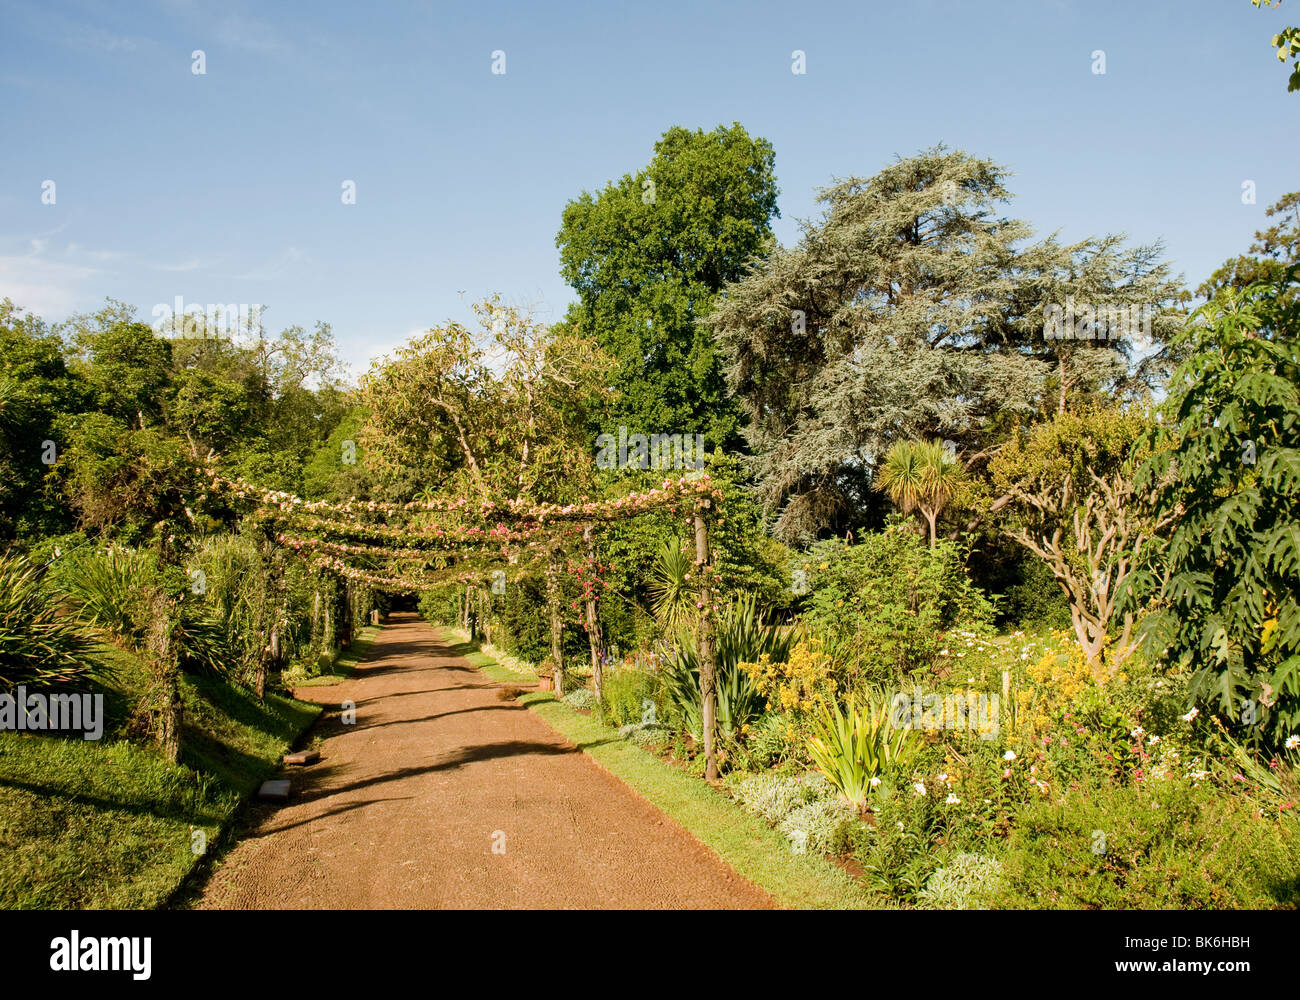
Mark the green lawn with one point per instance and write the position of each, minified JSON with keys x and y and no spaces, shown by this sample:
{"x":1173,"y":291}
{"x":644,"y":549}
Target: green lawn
{"x":746,"y":843}
{"x":108,"y":824}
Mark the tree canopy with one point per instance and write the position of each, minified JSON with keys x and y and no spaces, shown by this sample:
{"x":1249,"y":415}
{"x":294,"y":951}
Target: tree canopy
{"x":914,"y":309}
{"x":648,"y":255}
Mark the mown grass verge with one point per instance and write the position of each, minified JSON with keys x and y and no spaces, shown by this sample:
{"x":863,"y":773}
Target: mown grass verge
{"x":109,"y":824}
{"x":753,"y":849}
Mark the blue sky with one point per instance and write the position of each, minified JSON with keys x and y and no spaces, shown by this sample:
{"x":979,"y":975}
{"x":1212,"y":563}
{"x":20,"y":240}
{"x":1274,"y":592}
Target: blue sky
{"x":225,"y":187}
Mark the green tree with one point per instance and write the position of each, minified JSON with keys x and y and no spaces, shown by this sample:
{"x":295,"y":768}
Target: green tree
{"x":37,"y":393}
{"x":126,"y":366}
{"x":504,"y":415}
{"x":1287,"y":43}
{"x":648,"y":256}
{"x":911,"y":310}
{"x":1073,"y":502}
{"x":1227,"y":467}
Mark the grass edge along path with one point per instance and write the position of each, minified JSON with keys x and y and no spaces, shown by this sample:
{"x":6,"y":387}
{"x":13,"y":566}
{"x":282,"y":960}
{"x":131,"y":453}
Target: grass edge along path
{"x":746,"y":843}
{"x":236,"y":823}
{"x":345,"y":663}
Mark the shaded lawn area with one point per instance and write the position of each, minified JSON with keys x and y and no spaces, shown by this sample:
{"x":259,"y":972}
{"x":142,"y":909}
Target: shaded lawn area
{"x":109,"y":824}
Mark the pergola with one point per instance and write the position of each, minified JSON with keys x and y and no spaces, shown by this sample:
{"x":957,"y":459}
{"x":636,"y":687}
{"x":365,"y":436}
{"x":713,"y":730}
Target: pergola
{"x":436,"y":542}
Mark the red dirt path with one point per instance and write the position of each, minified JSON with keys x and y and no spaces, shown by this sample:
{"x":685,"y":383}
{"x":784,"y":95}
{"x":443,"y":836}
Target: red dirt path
{"x":403,"y":808}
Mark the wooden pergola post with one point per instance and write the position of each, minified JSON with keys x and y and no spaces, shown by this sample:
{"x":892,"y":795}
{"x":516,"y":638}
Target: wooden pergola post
{"x":593,"y":622}
{"x":704,"y":643}
{"x":345,"y":618}
{"x":557,"y":622}
{"x":268,"y":617}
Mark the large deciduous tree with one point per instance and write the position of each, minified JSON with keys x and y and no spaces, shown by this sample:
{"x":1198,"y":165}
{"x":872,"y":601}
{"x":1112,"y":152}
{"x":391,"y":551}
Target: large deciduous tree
{"x":37,"y":392}
{"x":502,"y":415}
{"x":647,"y":256}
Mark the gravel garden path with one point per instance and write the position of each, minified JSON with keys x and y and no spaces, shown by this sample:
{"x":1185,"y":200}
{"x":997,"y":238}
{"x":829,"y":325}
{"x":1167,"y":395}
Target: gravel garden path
{"x":445,"y":795}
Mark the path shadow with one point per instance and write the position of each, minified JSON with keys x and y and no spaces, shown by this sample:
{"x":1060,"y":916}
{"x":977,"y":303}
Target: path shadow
{"x":335,"y":811}
{"x":462,"y":758}
{"x":412,"y":694}
{"x":503,"y":706}
{"x":379,"y":671}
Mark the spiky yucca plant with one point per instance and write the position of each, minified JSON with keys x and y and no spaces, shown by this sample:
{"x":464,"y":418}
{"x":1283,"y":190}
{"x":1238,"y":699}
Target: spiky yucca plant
{"x":670,"y":590}
{"x":109,"y":591}
{"x":113,"y":593}
{"x":742,"y":636}
{"x":38,"y":643}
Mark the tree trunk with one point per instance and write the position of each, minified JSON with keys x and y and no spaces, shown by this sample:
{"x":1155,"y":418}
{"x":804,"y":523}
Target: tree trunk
{"x":1091,"y":641}
{"x":345,"y":625}
{"x":263,"y":645}
{"x":931,"y":517}
{"x":317,"y":624}
{"x":704,"y":642}
{"x":170,"y":729}
{"x":162,"y":649}
{"x":557,"y":624}
{"x":593,"y":625}
{"x":327,"y":631}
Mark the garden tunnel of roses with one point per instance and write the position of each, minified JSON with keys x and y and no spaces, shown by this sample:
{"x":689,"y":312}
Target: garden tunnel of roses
{"x":415,"y":546}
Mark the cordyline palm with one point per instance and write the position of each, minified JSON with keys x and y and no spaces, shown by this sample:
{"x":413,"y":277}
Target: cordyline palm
{"x":920,"y":477}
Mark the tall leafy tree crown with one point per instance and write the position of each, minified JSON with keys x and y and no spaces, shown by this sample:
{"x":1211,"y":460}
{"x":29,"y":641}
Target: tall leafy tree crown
{"x":647,"y":256}
{"x":1228,"y":469}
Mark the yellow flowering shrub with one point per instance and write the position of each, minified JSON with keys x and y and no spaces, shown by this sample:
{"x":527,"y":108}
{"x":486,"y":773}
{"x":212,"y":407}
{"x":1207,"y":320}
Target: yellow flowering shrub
{"x":1058,"y":679}
{"x":799,"y":684}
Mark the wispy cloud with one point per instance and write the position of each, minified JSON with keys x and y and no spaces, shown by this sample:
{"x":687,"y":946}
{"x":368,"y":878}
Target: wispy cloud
{"x":251,"y":34}
{"x":283,"y":263}
{"x":54,"y":26}
{"x":93,"y":37}
{"x":44,"y":283}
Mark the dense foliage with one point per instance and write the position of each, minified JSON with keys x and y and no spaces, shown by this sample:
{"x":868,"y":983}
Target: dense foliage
{"x":972,"y":592}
